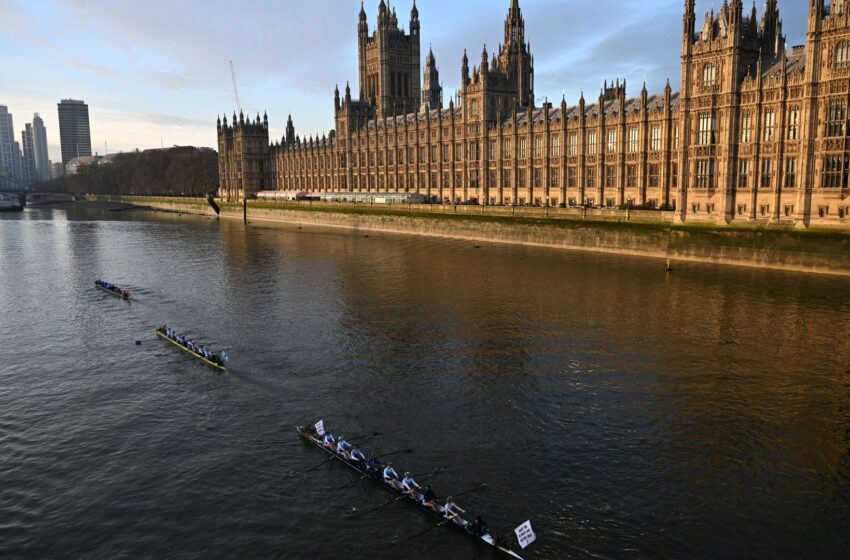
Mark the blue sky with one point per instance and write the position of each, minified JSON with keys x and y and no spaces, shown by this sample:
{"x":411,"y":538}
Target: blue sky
{"x":157,"y":70}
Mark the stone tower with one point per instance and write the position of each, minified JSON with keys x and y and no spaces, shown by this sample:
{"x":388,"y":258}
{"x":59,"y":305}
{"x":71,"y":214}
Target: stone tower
{"x":432,"y":91}
{"x":515,"y":57}
{"x":389,"y":63}
{"x":243,"y":147}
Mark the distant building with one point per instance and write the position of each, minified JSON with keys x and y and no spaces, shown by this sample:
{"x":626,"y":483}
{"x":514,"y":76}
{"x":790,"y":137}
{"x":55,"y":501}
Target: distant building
{"x":9,"y":158}
{"x":56,"y":170}
{"x":39,"y":144}
{"x":28,"y":175}
{"x":74,"y":132}
{"x":73,"y":166}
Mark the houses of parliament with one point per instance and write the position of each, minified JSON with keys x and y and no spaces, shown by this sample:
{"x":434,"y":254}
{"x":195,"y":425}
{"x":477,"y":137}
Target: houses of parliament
{"x":758,"y":131}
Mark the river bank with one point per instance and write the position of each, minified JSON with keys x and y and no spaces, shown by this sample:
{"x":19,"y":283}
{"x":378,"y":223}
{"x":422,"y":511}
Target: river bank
{"x":637,"y":233}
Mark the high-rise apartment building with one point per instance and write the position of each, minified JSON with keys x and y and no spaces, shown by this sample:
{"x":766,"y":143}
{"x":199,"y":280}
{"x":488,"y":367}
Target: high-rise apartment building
{"x":9,"y":160}
{"x":41,"y":159}
{"x":29,"y":174}
{"x":74,"y":132}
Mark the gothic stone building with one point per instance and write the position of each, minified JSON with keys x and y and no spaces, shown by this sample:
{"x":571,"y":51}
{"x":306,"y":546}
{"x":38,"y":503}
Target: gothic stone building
{"x":758,"y":131}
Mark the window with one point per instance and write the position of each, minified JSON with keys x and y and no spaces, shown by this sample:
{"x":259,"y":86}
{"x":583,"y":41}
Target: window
{"x":631,"y":175}
{"x":709,"y":75}
{"x":746,"y":127}
{"x":555,"y":177}
{"x":633,"y":139}
{"x":676,"y":137}
{"x":744,"y":174}
{"x":610,"y":176}
{"x":788,"y":210}
{"x":791,"y":173}
{"x":766,"y":173}
{"x":653,"y":175}
{"x":655,"y":138}
{"x":705,"y":173}
{"x":445,"y":153}
{"x":573,"y":144}
{"x":591,"y":177}
{"x":458,"y":152}
{"x":842,"y":55}
{"x":507,"y":152}
{"x":520,"y":179}
{"x":473,"y":107}
{"x":794,"y":123}
{"x":572,"y":172}
{"x":473,"y":151}
{"x":556,"y":146}
{"x":707,"y":125}
{"x":536,"y":175}
{"x":612,"y":141}
{"x":674,"y":175}
{"x":493,"y":148}
{"x":834,"y":172}
{"x":591,"y":143}
{"x":523,"y":148}
{"x":836,"y":119}
{"x":769,"y":125}
{"x":538,"y":146}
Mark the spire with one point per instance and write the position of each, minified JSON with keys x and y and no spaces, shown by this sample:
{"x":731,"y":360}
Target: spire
{"x":514,"y":25}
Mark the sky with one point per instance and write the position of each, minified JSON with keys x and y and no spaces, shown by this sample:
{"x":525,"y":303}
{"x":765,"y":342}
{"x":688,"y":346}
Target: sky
{"x":156,"y":72}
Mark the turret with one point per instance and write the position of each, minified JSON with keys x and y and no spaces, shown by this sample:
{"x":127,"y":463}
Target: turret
{"x":290,"y":131}
{"x":336,"y":99}
{"x":218,"y":123}
{"x":464,"y":69}
{"x":414,"y":20}
{"x":485,"y":62}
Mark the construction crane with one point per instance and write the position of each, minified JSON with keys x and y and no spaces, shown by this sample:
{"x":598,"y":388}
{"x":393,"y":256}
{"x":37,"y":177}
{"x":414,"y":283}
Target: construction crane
{"x":235,"y":88}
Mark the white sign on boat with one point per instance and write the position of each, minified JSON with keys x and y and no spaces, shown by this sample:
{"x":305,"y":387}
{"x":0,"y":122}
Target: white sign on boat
{"x":320,"y":427}
{"x":525,"y":534}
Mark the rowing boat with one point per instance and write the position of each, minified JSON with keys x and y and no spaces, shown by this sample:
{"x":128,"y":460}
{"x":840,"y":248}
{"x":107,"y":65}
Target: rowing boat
{"x":125,"y":295}
{"x":200,"y":357}
{"x":487,"y":539}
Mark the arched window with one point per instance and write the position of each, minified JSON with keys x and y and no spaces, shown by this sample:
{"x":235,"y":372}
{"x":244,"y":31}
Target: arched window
{"x":842,"y":55}
{"x":709,"y":75}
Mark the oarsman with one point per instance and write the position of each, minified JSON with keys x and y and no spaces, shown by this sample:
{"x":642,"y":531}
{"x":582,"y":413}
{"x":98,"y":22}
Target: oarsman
{"x":342,"y":448}
{"x":410,"y":487}
{"x":391,"y":477}
{"x":372,"y":465}
{"x":429,"y":499}
{"x":358,"y":456}
{"x":329,"y":441}
{"x":453,"y":512}
{"x":478,"y":528}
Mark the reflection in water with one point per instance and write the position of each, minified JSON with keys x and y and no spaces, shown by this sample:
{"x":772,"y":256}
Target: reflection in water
{"x":626,"y":411}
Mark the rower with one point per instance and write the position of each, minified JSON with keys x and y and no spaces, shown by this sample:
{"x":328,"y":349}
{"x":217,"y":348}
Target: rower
{"x":357,"y":455}
{"x":452,"y":512}
{"x":478,"y":528}
{"x":390,"y":476}
{"x":410,"y":487}
{"x":342,"y":448}
{"x":429,"y":499}
{"x":372,"y":465}
{"x":329,"y":441}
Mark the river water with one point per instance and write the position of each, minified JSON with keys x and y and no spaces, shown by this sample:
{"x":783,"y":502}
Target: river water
{"x":625,"y":411}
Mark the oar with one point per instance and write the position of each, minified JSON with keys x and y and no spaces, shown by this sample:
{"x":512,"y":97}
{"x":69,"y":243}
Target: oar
{"x":428,"y":530}
{"x":293,"y":442}
{"x":335,"y":456}
{"x":353,"y":482}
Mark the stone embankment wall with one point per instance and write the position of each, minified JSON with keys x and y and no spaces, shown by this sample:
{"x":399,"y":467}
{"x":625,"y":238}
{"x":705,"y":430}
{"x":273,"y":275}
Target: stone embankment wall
{"x":647,"y":234}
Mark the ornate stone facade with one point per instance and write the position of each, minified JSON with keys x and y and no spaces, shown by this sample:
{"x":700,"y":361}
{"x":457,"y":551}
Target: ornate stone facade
{"x":758,"y":133}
